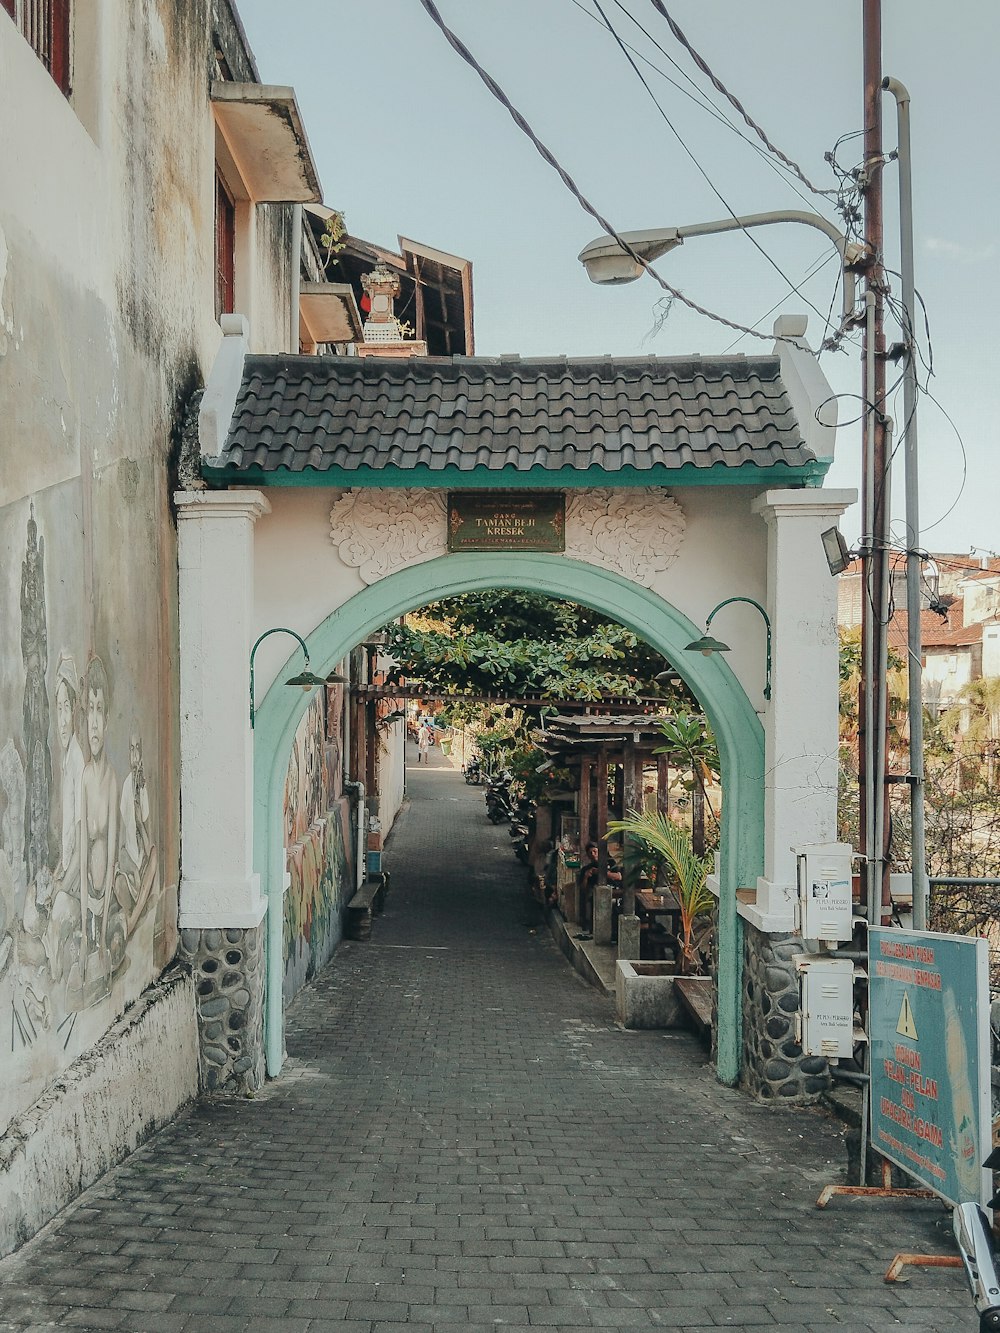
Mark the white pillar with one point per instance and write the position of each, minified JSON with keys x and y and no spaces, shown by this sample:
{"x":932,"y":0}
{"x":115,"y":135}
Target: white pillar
{"x":801,"y":725}
{"x":215,"y":558}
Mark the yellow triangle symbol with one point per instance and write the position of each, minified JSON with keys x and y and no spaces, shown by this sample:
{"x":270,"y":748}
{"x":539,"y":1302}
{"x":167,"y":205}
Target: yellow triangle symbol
{"x":906,"y":1026}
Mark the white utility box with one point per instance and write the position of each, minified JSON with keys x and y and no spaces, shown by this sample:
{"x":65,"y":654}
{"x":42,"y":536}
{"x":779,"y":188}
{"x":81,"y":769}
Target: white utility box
{"x":824,"y":883}
{"x":827,"y":1008}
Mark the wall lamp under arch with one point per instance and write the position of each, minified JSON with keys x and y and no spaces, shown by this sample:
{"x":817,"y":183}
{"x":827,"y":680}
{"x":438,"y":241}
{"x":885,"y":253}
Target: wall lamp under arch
{"x":707,"y":645}
{"x":305,"y":679}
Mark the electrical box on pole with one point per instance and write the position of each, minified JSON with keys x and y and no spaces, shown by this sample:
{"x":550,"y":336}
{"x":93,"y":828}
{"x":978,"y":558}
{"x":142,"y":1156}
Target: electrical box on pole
{"x":824,"y":891}
{"x":826,"y":1019}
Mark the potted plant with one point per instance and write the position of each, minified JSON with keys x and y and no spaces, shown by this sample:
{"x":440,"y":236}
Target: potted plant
{"x":671,"y":847}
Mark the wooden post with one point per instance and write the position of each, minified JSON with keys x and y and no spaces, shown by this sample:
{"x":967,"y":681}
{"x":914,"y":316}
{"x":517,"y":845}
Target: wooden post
{"x":662,"y":785}
{"x":601,"y":812}
{"x":586,"y":801}
{"x":628,"y":805}
{"x":697,"y":815}
{"x":371,"y":753}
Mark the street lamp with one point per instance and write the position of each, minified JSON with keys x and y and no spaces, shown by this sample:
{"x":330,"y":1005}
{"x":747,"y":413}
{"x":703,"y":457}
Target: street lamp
{"x":305,"y":679}
{"x":607,"y":262}
{"x":707,"y":645}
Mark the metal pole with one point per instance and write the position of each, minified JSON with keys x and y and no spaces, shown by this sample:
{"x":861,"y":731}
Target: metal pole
{"x":874,"y":630}
{"x":875,"y":507}
{"x":914,"y":645}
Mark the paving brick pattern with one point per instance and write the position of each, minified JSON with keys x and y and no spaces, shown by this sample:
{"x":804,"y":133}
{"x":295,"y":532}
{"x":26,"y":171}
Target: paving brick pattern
{"x":464,"y":1140}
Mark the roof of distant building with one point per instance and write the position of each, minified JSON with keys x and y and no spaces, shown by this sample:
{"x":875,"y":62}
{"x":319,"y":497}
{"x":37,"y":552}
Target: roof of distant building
{"x":936,"y":632}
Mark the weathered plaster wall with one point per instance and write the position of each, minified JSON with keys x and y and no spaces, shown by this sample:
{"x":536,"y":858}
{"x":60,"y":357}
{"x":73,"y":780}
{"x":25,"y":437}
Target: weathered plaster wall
{"x":104,"y":1105}
{"x":101,"y":344}
{"x":317,"y":841}
{"x":107,"y":324}
{"x":392,"y":740}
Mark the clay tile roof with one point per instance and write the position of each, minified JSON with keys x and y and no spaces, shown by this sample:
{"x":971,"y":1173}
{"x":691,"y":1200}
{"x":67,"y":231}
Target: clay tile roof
{"x":935,"y":632}
{"x":461,"y":413}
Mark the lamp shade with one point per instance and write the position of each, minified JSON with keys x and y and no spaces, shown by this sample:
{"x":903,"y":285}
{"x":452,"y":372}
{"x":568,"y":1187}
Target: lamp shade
{"x":305,"y":680}
{"x":706,"y":645}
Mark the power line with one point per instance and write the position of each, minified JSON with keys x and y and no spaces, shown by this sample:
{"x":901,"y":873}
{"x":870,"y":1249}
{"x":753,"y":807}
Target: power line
{"x":708,"y":180}
{"x":965,"y":461}
{"x":717,"y":83}
{"x":549,"y":157}
{"x":817,"y":266}
{"x":696,"y":96}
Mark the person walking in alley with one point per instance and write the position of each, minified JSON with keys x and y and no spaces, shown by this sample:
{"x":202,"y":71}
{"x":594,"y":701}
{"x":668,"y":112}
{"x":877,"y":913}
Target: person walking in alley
{"x":424,"y":743}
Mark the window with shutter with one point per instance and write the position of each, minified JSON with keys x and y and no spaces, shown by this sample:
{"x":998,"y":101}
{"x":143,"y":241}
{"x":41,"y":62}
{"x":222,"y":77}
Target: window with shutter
{"x":225,"y":249}
{"x":45,"y":25}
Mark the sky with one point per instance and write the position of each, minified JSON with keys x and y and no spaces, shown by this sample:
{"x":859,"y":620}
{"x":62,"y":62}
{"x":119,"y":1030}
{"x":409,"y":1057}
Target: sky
{"x":408,"y":141}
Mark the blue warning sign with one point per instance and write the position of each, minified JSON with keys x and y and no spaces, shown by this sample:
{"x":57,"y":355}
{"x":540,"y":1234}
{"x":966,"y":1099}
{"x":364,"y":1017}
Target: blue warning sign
{"x":928,"y":1024}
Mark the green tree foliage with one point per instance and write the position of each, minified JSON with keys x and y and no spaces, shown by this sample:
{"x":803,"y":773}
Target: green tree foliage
{"x":519,"y":644}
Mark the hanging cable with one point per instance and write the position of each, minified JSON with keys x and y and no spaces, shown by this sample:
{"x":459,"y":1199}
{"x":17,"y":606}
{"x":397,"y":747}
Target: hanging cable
{"x":717,"y":83}
{"x":708,"y":180}
{"x":696,"y":95}
{"x":965,"y":463}
{"x":549,"y":157}
{"x":817,"y":266}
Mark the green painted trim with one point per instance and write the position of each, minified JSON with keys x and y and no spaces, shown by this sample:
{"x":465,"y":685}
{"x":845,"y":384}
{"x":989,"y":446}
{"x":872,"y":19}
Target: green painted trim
{"x":737,"y":729}
{"x":536,"y":478}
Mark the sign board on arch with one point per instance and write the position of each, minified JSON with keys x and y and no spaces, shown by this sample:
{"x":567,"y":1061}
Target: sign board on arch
{"x":930,"y":1058}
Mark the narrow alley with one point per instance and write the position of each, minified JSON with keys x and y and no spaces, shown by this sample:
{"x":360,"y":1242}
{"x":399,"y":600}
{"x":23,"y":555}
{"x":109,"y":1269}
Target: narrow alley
{"x":463,"y":1138}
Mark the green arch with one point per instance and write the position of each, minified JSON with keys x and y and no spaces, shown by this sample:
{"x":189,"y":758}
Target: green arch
{"x":737,"y":729}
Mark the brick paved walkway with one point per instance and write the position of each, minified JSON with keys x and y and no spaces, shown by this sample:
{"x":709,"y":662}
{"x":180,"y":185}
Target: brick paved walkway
{"x":463,"y":1139}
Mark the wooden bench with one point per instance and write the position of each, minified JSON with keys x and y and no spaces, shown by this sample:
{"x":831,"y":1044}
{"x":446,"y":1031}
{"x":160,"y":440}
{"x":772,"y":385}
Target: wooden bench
{"x":366,"y":903}
{"x":695,"y":994}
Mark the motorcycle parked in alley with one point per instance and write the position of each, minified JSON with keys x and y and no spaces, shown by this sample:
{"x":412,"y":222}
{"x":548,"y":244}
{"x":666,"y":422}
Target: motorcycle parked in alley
{"x":473,"y":773}
{"x":499,"y":803}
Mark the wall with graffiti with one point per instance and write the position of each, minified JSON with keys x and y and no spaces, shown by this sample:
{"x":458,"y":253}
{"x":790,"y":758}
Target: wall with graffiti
{"x":85,"y":923}
{"x":318,"y":841}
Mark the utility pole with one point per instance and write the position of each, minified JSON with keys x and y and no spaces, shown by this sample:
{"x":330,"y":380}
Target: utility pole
{"x":875,"y":490}
{"x":914,"y":647}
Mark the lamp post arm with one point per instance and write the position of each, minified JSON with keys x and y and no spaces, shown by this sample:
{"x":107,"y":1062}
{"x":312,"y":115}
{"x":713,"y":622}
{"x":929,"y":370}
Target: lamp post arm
{"x":654,"y":243}
{"x":767,"y":624}
{"x":829,"y":229}
{"x":277,"y":630}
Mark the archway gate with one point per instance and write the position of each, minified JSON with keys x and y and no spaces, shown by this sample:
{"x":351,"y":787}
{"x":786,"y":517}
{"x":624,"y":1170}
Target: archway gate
{"x":713,"y":492}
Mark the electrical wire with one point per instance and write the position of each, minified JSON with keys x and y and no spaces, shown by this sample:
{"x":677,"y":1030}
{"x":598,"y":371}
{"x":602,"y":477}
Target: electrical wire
{"x":708,"y":180}
{"x":549,"y":157}
{"x":965,"y":462}
{"x":717,"y":83}
{"x":696,"y":96}
{"x":817,"y":266}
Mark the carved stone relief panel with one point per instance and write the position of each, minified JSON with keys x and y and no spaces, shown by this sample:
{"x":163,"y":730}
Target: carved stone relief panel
{"x":378,"y":531}
{"x":636,"y":533}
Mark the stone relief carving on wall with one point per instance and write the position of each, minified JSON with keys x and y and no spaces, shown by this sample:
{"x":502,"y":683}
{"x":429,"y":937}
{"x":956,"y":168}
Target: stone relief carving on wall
{"x":636,"y":533}
{"x":379,"y":531}
{"x":78,"y":859}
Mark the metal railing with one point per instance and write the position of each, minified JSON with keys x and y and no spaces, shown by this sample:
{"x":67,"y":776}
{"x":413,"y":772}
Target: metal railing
{"x":966,"y":905}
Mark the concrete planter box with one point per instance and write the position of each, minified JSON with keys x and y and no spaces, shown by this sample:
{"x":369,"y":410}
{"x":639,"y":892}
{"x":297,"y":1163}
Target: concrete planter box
{"x":645,"y":996}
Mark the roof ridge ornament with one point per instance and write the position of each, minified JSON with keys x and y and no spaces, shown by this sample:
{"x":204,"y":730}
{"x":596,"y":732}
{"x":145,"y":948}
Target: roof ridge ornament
{"x":382,"y":287}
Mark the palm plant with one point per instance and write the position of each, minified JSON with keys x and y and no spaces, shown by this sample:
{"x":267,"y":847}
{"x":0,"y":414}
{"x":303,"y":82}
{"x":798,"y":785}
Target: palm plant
{"x":670,"y":845}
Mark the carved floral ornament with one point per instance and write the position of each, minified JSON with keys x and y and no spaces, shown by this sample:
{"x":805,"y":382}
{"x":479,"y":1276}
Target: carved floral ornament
{"x":636,"y":533}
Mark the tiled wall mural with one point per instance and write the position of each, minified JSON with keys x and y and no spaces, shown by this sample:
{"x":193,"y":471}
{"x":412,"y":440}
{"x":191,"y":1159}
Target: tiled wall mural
{"x":79,"y":868}
{"x":317,"y":841}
